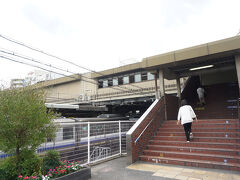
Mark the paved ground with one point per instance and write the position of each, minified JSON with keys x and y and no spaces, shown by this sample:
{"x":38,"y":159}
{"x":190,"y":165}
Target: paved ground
{"x":117,"y":169}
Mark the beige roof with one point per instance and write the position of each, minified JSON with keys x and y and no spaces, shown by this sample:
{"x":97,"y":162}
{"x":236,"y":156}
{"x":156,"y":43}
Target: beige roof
{"x":221,"y":47}
{"x":129,"y":67}
{"x":58,"y":81}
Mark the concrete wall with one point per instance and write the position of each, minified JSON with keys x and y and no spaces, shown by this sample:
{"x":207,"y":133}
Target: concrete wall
{"x":78,"y":90}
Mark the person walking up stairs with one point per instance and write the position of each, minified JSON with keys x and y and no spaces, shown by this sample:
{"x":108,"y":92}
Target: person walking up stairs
{"x":186,"y":116}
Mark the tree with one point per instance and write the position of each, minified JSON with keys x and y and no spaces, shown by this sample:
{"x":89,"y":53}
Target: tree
{"x":24,"y":122}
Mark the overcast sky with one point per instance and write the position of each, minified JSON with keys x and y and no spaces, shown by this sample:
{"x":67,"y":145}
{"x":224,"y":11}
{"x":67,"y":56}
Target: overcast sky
{"x":103,"y":34}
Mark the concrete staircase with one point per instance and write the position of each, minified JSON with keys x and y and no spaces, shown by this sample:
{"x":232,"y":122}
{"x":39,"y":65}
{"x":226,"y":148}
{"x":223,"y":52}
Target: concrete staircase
{"x":221,"y":102}
{"x":216,"y":144}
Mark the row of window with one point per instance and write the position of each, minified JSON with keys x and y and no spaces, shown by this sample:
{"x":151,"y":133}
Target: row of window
{"x":67,"y":133}
{"x":126,"y":79}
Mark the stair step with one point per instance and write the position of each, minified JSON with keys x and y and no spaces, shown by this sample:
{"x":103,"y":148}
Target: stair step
{"x":216,"y":142}
{"x":195,"y":125}
{"x":201,"y":150}
{"x":198,"y":139}
{"x":202,"y":134}
{"x":197,"y":156}
{"x":192,"y":162}
{"x":209,"y":121}
{"x":180,"y":129}
{"x":232,"y":146}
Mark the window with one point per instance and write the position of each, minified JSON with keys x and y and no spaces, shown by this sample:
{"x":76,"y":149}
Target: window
{"x":150,"y":76}
{"x":67,"y":133}
{"x":115,"y":81}
{"x":110,"y":82}
{"x":49,"y":139}
{"x":144,"y":76}
{"x":100,"y":84}
{"x":120,"y":80}
{"x":126,"y":80}
{"x":105,"y":83}
{"x":137,"y":77}
{"x":131,"y":78}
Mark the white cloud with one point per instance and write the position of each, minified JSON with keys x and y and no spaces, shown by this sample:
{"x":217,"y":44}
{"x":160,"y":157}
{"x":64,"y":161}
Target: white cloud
{"x":97,"y":34}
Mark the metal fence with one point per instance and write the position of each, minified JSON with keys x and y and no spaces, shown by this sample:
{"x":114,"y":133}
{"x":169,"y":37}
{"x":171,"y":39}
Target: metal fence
{"x":87,"y":142}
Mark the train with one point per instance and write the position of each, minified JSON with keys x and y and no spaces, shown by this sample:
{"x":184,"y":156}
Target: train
{"x":72,"y":134}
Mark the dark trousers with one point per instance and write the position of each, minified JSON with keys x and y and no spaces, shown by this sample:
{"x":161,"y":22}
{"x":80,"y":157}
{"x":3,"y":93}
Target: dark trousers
{"x":188,"y":130}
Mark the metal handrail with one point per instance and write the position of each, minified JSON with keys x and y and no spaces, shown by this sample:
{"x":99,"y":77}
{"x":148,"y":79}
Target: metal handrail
{"x":142,"y":132}
{"x":144,"y":129}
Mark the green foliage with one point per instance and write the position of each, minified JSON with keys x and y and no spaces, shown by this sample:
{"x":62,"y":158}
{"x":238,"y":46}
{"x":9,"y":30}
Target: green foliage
{"x":51,"y":161}
{"x":8,"y":170}
{"x":30,"y":165}
{"x":24,"y":122}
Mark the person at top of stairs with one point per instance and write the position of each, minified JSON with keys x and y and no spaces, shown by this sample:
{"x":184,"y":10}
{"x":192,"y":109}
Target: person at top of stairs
{"x":186,"y":116}
{"x":201,"y":93}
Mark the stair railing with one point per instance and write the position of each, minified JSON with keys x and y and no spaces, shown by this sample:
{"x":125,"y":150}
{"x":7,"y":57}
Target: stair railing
{"x":141,"y":132}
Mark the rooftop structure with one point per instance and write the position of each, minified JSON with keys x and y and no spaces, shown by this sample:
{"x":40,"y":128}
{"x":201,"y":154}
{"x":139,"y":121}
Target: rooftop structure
{"x":17,"y":83}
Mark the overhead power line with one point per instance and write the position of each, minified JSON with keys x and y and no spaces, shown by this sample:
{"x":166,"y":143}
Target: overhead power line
{"x":14,"y":60}
{"x":17,"y":61}
{"x":33,"y":60}
{"x":37,"y":61}
{"x":40,"y":51}
{"x":56,"y":57}
{"x":49,"y":65}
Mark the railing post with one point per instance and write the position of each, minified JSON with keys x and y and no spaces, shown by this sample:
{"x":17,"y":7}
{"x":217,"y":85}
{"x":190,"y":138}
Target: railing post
{"x":89,"y":143}
{"x":120,"y":138}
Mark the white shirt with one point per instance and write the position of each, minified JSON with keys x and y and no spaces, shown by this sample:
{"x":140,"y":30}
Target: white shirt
{"x":200,"y":92}
{"x":186,"y":114}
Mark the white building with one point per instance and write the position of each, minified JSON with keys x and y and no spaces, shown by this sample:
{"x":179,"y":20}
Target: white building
{"x":17,"y":83}
{"x":38,"y":76}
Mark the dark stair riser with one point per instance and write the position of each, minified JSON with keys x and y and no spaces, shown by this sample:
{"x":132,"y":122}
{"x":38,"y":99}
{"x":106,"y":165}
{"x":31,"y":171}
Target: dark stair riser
{"x":197,"y":139}
{"x":226,"y":126}
{"x":212,"y":121}
{"x":200,"y":130}
{"x":202,"y":134}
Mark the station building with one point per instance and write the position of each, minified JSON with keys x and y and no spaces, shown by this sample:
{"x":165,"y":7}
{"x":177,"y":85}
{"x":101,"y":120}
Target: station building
{"x":153,"y":88}
{"x":126,"y":90}
{"x":134,"y":87}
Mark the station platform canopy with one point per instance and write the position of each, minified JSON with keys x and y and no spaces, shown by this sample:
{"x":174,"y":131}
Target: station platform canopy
{"x":213,"y":56}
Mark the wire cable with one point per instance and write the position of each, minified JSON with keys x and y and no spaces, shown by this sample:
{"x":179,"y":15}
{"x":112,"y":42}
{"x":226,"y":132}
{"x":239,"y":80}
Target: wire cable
{"x":14,"y":60}
{"x":36,"y":61}
{"x":53,"y":56}
{"x":12,"y":53}
{"x":17,"y":61}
